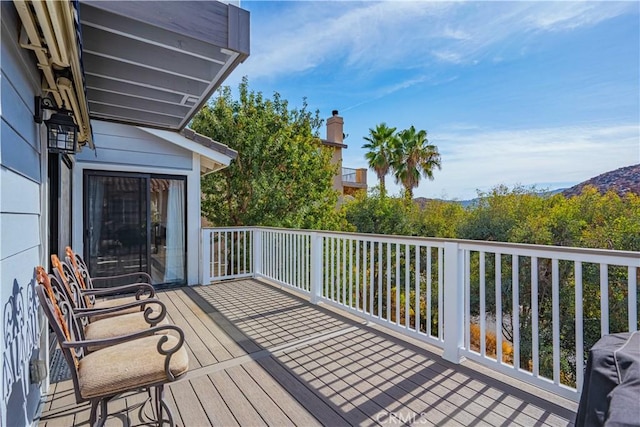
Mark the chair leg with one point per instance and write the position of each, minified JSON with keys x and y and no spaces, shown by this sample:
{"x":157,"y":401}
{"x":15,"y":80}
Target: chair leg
{"x":103,"y":413}
{"x":161,"y":407}
{"x":96,"y":420}
{"x":93,"y":413}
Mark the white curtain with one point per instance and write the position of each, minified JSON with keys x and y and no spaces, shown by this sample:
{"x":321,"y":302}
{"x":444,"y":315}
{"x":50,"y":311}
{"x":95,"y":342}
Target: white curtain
{"x":96,"y":202}
{"x":175,"y":254}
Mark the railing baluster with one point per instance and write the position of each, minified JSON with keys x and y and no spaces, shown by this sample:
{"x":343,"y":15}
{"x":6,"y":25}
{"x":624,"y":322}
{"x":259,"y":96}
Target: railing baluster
{"x":577,"y":265}
{"x":407,"y":287}
{"x":219,"y":251}
{"x":429,"y":318}
{"x":388,"y":299}
{"x":350,"y":272}
{"x":633,"y":298}
{"x":417,"y":293}
{"x":332,"y":255}
{"x":440,"y":293}
{"x":515,"y":309}
{"x":483,"y":298}
{"x":358,"y":274}
{"x":371,"y":279}
{"x":604,"y":299}
{"x":344,"y":271}
{"x":270,"y":253}
{"x":379,"y":279}
{"x":555,"y":318}
{"x":467,"y":300}
{"x":231,"y":264}
{"x":365,"y":283}
{"x":325,"y":246}
{"x":498,"y":282}
{"x":535,"y":321}
{"x":397,"y":298}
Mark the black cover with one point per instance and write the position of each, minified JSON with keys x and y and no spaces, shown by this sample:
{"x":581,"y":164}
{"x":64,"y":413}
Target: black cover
{"x":611,"y":389}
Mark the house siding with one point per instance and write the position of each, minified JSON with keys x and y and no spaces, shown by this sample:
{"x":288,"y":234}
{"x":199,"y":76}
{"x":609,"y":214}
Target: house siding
{"x":124,"y":148}
{"x":21,"y":232}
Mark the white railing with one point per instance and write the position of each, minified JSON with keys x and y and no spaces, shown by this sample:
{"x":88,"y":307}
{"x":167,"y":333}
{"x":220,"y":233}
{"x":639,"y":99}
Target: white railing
{"x":227,"y":253}
{"x":349,"y":175}
{"x":532,"y":315}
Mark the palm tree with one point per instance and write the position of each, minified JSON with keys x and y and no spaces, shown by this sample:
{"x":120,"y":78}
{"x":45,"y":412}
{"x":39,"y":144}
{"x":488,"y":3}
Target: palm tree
{"x":413,"y":158}
{"x":380,"y":146}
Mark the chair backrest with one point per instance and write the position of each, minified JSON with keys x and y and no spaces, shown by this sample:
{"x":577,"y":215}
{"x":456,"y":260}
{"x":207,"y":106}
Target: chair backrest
{"x":79,"y":267}
{"x":59,"y":312}
{"x":72,"y":286}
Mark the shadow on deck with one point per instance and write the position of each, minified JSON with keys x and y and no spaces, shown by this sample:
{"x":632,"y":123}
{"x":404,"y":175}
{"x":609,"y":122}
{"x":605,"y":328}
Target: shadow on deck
{"x":262,"y":356}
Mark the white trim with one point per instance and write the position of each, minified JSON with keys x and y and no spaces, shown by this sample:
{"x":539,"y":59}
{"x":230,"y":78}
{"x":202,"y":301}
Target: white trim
{"x":193,"y":221}
{"x":181,"y":141}
{"x":193,"y":199}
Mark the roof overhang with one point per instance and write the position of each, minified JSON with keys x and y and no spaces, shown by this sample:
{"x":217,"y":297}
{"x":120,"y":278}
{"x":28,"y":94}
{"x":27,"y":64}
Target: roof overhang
{"x":155,"y":64}
{"x":213,"y":155}
{"x":135,"y":62}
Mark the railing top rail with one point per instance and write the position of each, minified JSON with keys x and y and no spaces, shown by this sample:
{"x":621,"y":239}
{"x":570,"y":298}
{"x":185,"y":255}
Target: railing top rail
{"x":464,"y":244}
{"x":348,"y":170}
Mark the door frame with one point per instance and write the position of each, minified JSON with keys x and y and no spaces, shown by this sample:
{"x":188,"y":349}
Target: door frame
{"x":99,"y":161}
{"x":147,"y":176}
{"x":54,"y":176}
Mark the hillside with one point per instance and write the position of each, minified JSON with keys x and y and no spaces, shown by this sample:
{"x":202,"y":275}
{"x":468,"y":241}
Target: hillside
{"x":622,"y":181}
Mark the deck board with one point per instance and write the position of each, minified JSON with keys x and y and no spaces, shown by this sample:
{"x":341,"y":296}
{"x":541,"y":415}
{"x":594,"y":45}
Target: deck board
{"x":262,"y":356}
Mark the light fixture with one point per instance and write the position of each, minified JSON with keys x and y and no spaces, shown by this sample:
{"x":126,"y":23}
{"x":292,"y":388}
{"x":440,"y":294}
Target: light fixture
{"x":62,"y":131}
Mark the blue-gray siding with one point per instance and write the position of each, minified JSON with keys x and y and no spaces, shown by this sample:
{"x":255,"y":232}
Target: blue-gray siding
{"x":21,"y":239}
{"x":127,"y":145}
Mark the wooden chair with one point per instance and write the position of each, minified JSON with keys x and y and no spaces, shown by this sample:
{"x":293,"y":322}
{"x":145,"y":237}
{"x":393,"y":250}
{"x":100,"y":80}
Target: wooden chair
{"x":141,"y":361}
{"x":85,"y":298}
{"x":88,"y":282}
{"x":99,"y":323}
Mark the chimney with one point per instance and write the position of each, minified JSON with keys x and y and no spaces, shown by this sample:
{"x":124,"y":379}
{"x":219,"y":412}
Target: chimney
{"x":335,"y":128}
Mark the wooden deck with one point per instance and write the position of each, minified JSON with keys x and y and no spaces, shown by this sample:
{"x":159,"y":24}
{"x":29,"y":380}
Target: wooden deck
{"x":262,"y":356}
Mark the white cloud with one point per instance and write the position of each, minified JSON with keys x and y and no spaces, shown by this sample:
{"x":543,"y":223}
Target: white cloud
{"x":368,"y":36}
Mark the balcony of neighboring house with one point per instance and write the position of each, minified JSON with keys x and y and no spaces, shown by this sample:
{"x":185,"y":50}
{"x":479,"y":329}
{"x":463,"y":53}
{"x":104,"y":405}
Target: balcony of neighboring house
{"x":347,"y":181}
{"x":298,"y":327}
{"x":353,"y":180}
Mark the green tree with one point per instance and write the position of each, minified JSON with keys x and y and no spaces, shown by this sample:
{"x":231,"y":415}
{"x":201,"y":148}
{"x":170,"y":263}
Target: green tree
{"x":380,"y":149}
{"x":374,"y":213}
{"x":414,"y":157}
{"x":282,"y":175}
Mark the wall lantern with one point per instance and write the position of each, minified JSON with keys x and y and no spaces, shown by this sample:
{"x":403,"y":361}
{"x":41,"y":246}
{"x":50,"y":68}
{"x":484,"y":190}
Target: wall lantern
{"x":62,"y":131}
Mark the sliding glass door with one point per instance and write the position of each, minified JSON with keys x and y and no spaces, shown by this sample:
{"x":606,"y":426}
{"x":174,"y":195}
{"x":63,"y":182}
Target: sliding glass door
{"x":135,"y":222}
{"x":168,"y":239}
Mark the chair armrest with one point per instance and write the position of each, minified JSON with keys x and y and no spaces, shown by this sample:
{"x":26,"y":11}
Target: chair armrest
{"x":141,"y":290}
{"x":140,"y":277}
{"x":151,"y":316}
{"x":167,"y":352}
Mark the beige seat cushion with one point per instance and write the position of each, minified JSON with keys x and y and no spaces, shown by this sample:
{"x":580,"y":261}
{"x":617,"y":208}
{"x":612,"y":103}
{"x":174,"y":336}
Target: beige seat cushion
{"x":109,"y":303}
{"x":131,"y":365}
{"x":116,"y":326}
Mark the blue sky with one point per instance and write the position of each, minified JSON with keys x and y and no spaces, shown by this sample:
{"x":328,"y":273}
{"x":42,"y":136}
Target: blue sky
{"x":530,"y":93}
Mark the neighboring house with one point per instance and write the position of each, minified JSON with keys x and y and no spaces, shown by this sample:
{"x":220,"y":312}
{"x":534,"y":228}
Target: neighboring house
{"x":347,"y":181}
{"x":133,"y":75}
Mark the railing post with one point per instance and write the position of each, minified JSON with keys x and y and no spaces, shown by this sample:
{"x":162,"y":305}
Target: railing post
{"x":316,"y":267}
{"x":256,"y":252}
{"x":205,"y":239}
{"x":454,"y":326}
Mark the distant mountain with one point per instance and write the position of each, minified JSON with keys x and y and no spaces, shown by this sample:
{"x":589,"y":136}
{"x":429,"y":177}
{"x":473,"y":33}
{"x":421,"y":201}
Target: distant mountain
{"x":622,"y":181}
{"x":422,"y":201}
